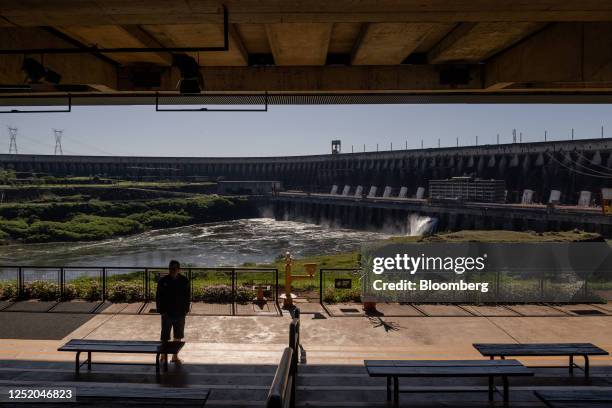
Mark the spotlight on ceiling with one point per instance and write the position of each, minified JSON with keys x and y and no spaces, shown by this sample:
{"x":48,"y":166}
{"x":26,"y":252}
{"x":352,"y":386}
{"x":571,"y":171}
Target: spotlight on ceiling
{"x":35,"y":72}
{"x":191,"y":78}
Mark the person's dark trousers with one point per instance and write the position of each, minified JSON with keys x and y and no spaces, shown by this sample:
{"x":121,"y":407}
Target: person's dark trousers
{"x":176,"y":324}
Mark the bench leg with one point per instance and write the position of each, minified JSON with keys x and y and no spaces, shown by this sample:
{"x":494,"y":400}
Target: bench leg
{"x":166,"y":363}
{"x":77,"y":365}
{"x":89,"y":360}
{"x":491,"y":388}
{"x":388,"y":388}
{"x":571,"y":365}
{"x":395,"y":391}
{"x":506,"y":393}
{"x":157,"y":363}
{"x":586,"y":366}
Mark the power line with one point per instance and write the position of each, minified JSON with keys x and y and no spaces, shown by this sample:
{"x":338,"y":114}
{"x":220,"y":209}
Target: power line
{"x":593,"y":163}
{"x":89,"y":146}
{"x":577,"y":171}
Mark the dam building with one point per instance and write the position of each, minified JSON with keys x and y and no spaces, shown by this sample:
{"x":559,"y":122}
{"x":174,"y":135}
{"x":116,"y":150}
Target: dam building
{"x":541,"y":167}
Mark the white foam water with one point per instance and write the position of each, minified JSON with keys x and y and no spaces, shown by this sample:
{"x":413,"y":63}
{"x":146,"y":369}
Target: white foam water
{"x":257,"y":240}
{"x":419,"y":225}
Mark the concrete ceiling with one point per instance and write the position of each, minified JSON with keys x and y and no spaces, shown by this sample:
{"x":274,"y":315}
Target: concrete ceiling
{"x":465,"y":47}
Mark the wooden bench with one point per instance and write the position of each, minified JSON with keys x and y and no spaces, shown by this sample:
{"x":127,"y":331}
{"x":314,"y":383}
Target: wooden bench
{"x":576,"y":399}
{"x":544,"y":349}
{"x":393,"y":369}
{"x":121,"y":346}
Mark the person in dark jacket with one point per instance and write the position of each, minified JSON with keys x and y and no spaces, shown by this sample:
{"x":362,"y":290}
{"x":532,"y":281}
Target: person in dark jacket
{"x":172,"y":300}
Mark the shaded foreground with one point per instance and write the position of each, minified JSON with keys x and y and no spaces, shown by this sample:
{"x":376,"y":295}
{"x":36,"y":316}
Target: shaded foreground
{"x":235,"y":357}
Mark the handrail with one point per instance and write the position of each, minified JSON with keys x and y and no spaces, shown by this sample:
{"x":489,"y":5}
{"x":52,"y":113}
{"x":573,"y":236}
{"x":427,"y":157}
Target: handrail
{"x":145,"y":273}
{"x":282,"y":390}
{"x":322,"y":278}
{"x":282,"y":381}
{"x":140,"y":268}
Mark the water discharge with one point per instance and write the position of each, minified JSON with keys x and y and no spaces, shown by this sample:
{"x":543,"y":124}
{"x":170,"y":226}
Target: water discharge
{"x":257,"y":240}
{"x":421,"y":225}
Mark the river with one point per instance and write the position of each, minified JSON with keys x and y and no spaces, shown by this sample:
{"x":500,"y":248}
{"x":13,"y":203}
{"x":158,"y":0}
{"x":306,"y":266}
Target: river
{"x":229,"y":243}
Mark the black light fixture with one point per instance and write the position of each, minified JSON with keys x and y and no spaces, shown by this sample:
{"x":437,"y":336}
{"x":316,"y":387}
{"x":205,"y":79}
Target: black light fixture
{"x":191,"y":81}
{"x":35,"y":72}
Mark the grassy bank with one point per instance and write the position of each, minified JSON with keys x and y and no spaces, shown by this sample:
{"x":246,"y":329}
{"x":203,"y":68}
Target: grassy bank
{"x":95,"y":219}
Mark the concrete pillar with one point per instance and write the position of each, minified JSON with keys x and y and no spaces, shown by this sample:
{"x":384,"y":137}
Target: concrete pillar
{"x":555,"y":197}
{"x":527,"y":197}
{"x":491,"y":162}
{"x":346,"y":190}
{"x":403,"y":193}
{"x":503,"y":163}
{"x":470,"y":162}
{"x":526,"y":164}
{"x":387,"y":192}
{"x":460,"y":164}
{"x":372,"y":192}
{"x":585,"y":199}
{"x":540,"y":160}
{"x":334,"y":189}
{"x":596,"y":158}
{"x":514,"y":162}
{"x":358,"y":191}
{"x":480,"y":166}
{"x":420,"y":193}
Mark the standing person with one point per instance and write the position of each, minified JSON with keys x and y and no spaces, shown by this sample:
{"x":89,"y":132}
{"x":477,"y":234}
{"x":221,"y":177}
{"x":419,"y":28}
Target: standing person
{"x":172,"y":301}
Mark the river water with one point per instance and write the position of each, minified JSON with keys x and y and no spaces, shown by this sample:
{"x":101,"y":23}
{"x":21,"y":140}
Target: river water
{"x":228,"y":243}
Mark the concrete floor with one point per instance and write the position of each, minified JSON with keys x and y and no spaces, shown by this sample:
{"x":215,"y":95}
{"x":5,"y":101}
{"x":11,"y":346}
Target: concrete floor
{"x":247,"y":349}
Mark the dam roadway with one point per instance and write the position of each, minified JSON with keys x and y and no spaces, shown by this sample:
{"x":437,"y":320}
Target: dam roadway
{"x":390,"y":212}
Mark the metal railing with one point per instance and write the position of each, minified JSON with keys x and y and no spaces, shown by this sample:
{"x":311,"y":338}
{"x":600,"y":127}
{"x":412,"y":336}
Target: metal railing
{"x":530,"y":286}
{"x":342,"y":273}
{"x":234,"y":283}
{"x":282,"y":390}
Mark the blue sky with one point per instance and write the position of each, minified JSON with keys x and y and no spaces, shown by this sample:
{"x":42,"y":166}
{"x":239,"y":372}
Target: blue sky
{"x":296,"y":130}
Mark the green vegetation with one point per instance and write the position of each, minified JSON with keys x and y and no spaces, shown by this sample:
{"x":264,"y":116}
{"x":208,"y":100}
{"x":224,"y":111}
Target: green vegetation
{"x":95,"y":219}
{"x":7,"y":176}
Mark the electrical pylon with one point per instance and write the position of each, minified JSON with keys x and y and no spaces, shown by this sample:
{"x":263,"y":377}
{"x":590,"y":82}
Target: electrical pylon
{"x":58,"y":141}
{"x":13,"y":140}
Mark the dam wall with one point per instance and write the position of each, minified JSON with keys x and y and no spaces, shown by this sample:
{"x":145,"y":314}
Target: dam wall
{"x":567,"y":166}
{"x":411,"y":216}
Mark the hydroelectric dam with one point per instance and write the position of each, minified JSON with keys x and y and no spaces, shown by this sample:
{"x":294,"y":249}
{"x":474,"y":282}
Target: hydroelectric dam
{"x":564,"y":169}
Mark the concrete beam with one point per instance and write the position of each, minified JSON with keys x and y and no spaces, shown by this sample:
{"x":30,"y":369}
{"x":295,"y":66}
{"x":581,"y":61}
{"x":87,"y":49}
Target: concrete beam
{"x":562,"y":55}
{"x":202,"y":35}
{"x":299,"y":44}
{"x":74,"y":69}
{"x":475,"y":42}
{"x":105,"y":12}
{"x":388,"y":43}
{"x":147,"y":40}
{"x":113,"y":36}
{"x":324,"y":78}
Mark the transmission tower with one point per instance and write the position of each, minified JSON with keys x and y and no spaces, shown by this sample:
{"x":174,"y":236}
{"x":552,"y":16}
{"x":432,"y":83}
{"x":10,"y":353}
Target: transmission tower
{"x":13,"y":140}
{"x":58,"y":141}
